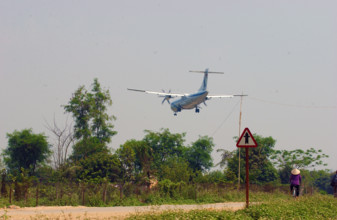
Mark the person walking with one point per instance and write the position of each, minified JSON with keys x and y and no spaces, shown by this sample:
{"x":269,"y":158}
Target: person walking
{"x":334,"y":184}
{"x":295,"y":181}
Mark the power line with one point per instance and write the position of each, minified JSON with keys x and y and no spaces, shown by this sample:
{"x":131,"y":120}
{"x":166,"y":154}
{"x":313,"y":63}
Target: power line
{"x":223,"y":122}
{"x":289,"y":105}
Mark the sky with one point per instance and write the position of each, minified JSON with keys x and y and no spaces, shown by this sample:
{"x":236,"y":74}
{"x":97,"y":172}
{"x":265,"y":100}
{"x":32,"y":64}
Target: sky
{"x":281,"y":53}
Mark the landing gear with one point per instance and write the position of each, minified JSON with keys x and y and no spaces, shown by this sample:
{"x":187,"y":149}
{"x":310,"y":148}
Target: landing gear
{"x":197,"y":110}
{"x":175,"y":114}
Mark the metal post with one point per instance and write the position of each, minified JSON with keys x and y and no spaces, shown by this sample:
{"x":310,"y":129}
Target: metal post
{"x":247,"y":177}
{"x":239,"y":136}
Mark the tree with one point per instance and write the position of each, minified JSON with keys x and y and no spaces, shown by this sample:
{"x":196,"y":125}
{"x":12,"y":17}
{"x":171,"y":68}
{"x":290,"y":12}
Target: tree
{"x":64,"y":138}
{"x":176,"y":170}
{"x":225,"y":156}
{"x":87,"y":147}
{"x":199,"y":154}
{"x":26,"y":150}
{"x":298,"y":158}
{"x":143,"y":161}
{"x":164,"y":145}
{"x":101,"y":127}
{"x":92,"y":123}
{"x":98,"y":168}
{"x":127,"y":157}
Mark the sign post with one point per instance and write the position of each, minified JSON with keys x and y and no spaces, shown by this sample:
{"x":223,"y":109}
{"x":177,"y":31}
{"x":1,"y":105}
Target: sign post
{"x":246,"y":140}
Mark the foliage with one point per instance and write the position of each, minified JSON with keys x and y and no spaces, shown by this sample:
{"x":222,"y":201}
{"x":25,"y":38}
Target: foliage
{"x":225,"y":156}
{"x":298,"y":158}
{"x":98,"y":168}
{"x":164,"y":145}
{"x":86,"y":147}
{"x":176,"y":170}
{"x":216,"y":176}
{"x":127,"y":157}
{"x":26,"y":150}
{"x":199,"y":154}
{"x":92,"y":123}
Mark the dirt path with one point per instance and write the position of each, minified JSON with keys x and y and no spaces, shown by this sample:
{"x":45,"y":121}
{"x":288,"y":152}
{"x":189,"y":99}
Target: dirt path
{"x":81,"y":212}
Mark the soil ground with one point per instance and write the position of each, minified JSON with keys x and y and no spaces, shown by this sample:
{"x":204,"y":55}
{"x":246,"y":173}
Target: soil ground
{"x":81,"y":212}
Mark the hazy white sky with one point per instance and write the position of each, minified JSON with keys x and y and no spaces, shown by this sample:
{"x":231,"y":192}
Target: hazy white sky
{"x":281,"y":53}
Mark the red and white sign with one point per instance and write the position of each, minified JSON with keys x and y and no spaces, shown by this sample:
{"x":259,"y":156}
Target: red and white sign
{"x":246,"y":139}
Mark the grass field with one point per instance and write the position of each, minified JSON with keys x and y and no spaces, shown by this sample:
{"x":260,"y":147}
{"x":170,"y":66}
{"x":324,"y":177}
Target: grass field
{"x":273,"y":207}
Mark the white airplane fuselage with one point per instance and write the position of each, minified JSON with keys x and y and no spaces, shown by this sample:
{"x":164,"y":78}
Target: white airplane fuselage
{"x":189,"y":101}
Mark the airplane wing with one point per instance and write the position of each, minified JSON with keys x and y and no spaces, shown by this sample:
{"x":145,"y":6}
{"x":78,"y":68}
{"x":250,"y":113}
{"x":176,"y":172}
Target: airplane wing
{"x":223,"y":96}
{"x":159,"y":93}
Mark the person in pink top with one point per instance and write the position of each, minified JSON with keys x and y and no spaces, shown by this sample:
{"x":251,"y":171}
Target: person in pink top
{"x":295,"y":181}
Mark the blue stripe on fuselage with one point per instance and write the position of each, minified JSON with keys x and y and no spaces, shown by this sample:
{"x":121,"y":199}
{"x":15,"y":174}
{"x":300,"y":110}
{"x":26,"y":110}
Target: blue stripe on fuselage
{"x":189,"y":102}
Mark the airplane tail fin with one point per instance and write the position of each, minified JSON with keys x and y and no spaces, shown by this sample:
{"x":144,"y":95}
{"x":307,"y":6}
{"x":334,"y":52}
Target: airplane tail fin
{"x":203,"y":86}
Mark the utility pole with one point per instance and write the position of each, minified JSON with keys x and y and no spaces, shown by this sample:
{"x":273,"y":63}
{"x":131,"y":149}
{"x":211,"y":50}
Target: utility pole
{"x":239,"y":136}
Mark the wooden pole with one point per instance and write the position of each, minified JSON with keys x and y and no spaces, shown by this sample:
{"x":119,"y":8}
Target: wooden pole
{"x":247,"y":177}
{"x":239,"y":170}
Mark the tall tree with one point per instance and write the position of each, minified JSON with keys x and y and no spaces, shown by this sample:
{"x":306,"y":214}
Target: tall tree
{"x":92,"y":123}
{"x":101,"y":127}
{"x":79,"y":106}
{"x":199,"y":154}
{"x":26,"y":150}
{"x":164,"y":145}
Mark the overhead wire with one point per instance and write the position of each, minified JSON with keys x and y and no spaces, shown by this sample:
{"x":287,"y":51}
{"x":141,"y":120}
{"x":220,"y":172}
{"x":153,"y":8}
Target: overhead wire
{"x":223,"y":122}
{"x":289,"y":105}
{"x":274,"y":103}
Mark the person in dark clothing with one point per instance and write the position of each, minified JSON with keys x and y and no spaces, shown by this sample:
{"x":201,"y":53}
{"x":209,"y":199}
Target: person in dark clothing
{"x":295,"y":181}
{"x":334,"y":184}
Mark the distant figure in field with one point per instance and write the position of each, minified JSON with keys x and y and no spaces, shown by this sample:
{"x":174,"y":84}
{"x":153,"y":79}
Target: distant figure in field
{"x":295,"y":181}
{"x":334,"y":184}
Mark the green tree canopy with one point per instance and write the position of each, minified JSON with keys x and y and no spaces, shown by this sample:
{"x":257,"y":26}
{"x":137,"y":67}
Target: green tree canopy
{"x":89,"y":110}
{"x":176,"y":170}
{"x":198,"y":154}
{"x":298,"y":158}
{"x":26,"y":150}
{"x":164,"y":145}
{"x":92,"y":123}
{"x":98,"y":168}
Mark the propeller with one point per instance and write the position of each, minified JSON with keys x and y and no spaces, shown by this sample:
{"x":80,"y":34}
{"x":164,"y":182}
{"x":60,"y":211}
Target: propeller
{"x":166,"y":97}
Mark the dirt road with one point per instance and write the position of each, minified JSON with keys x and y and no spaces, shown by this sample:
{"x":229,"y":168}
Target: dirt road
{"x":69,"y":212}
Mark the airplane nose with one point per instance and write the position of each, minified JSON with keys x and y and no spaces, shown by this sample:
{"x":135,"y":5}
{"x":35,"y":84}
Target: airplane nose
{"x":174,"y":108}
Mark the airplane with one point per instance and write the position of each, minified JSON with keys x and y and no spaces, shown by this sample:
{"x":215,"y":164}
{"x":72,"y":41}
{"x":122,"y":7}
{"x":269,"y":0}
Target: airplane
{"x":189,"y":101}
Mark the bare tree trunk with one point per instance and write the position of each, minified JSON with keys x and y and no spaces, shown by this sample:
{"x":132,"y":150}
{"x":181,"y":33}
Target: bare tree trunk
{"x":121,"y":191}
{"x":10,"y":193}
{"x":83,"y":193}
{"x":37,"y":195}
{"x":105,"y":187}
{"x":64,"y":138}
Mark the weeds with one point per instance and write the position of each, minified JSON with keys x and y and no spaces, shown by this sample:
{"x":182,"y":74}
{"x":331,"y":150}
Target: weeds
{"x":307,"y":207}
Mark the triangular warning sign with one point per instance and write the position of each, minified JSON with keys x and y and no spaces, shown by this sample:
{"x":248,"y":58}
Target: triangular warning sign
{"x":246,"y":139}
